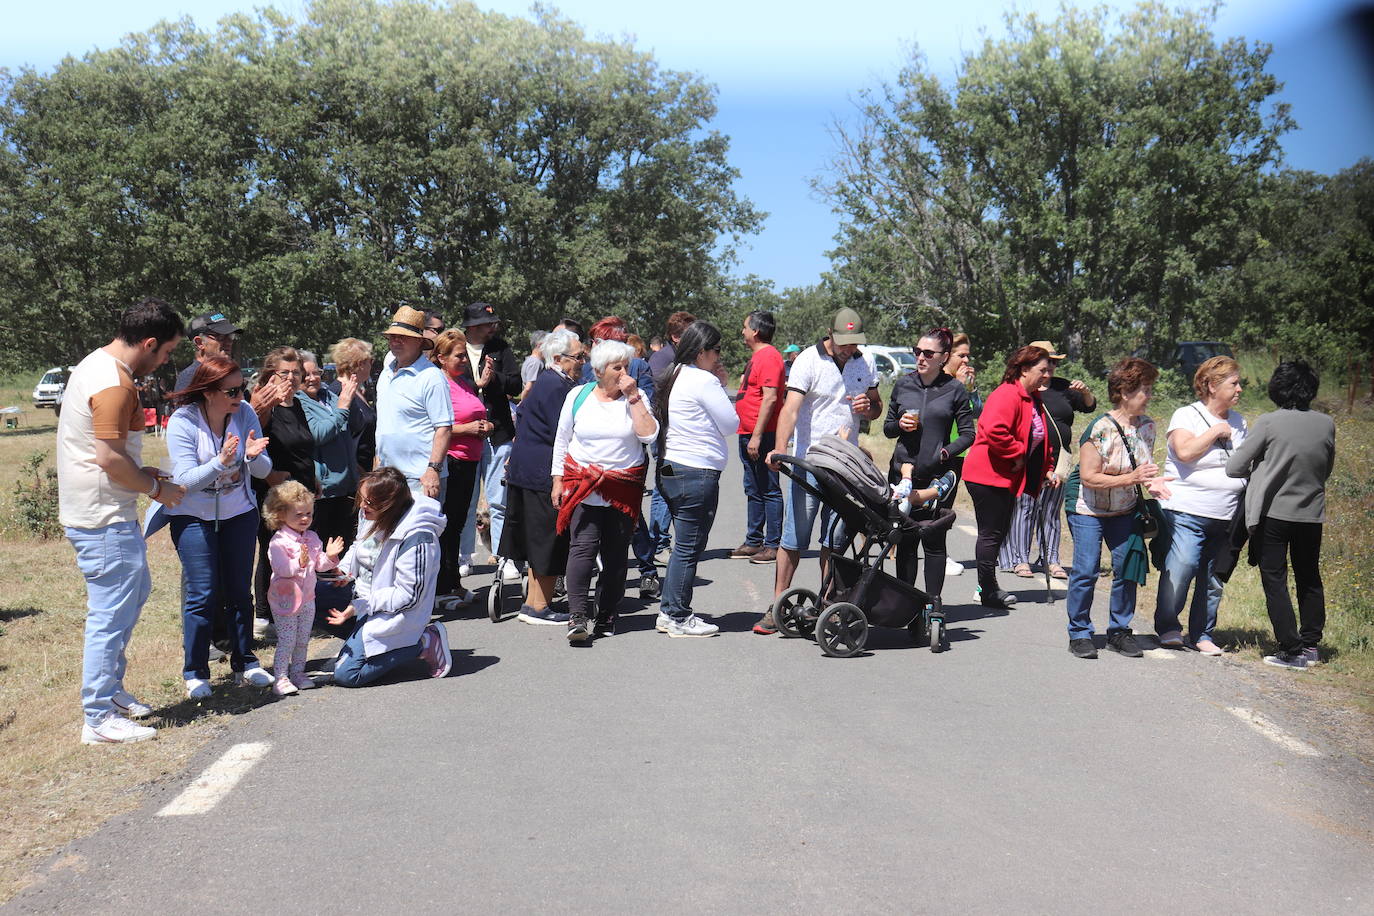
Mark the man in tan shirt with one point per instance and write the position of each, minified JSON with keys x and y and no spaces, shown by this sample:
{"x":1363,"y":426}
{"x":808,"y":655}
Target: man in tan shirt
{"x":99,"y":447}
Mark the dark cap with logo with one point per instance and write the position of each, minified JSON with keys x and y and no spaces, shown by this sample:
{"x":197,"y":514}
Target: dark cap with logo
{"x":847,"y":328}
{"x":214,"y":322}
{"x":479,"y":313}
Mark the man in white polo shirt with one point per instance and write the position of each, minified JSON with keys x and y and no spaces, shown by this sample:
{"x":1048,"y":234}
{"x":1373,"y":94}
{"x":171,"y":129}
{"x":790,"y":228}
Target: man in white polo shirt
{"x":414,"y":409}
{"x":832,"y":388}
{"x":99,"y":446}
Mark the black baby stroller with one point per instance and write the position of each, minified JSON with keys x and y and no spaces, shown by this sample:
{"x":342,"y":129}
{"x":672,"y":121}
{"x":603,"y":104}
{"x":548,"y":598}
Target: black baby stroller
{"x":855,"y":590}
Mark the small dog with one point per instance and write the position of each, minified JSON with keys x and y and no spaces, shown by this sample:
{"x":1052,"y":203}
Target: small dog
{"x":484,"y":527}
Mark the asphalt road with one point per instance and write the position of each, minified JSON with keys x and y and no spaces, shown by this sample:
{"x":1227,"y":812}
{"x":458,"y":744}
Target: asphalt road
{"x":751,"y":774}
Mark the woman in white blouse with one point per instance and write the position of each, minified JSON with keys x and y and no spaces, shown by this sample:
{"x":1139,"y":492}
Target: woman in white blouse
{"x":697,"y":418}
{"x":599,"y":465}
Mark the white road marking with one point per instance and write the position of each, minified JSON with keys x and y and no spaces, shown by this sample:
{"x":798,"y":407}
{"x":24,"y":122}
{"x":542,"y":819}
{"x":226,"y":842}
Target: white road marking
{"x":1160,"y":653}
{"x":217,"y":781}
{"x":1271,"y":731}
{"x":967,"y":529}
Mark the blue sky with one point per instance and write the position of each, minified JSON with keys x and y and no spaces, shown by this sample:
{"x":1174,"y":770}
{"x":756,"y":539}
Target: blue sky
{"x":786,"y":70}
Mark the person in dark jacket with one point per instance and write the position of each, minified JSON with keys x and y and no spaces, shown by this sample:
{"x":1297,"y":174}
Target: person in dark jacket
{"x":496,"y":375}
{"x":925,"y":407}
{"x":528,"y":535}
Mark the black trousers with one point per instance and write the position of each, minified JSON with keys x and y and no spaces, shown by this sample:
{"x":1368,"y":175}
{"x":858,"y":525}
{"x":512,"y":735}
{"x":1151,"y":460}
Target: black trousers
{"x":992,"y":506}
{"x":593,"y":530}
{"x":336,"y":517}
{"x":934,"y":550}
{"x":461,"y":476}
{"x":1303,"y":540}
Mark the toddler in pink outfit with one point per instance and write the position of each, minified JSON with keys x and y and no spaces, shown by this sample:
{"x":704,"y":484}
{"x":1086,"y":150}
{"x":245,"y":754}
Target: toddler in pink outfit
{"x":296,"y":555}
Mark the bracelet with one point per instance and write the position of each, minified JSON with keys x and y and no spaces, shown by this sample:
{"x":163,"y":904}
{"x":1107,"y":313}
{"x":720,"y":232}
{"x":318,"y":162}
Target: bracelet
{"x":156,"y":491}
{"x":634,"y":400}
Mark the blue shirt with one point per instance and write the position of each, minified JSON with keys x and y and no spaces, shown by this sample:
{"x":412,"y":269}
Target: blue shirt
{"x":411,"y":404}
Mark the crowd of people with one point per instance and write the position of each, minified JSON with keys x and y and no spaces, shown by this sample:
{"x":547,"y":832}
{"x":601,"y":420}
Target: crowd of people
{"x":596,"y":450}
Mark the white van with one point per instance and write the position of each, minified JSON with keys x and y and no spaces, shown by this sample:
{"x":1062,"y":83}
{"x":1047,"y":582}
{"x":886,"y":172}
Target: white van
{"x":48,"y":391}
{"x":891,"y":362}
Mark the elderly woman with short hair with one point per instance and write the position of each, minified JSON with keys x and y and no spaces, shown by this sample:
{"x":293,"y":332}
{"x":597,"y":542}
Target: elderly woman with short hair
{"x":1100,"y":499}
{"x":531,"y":518}
{"x":353,"y":358}
{"x":1204,"y":500}
{"x":336,"y":459}
{"x":598,"y":468}
{"x":1288,"y":457}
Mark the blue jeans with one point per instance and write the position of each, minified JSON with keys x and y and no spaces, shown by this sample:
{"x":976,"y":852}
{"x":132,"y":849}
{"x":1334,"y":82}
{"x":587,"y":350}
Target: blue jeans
{"x":799,"y":519}
{"x":692,"y":495}
{"x":764,"y":493}
{"x":1192,"y":553}
{"x":216,"y":571}
{"x":1089,"y":532}
{"x":353,"y":669}
{"x":114,"y":561}
{"x":492,"y":470}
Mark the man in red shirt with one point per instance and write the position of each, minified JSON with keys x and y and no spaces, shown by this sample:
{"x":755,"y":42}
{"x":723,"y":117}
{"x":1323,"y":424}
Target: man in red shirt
{"x":758,"y":403}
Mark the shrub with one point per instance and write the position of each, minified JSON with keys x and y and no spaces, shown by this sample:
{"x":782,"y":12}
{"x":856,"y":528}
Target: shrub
{"x":36,"y":500}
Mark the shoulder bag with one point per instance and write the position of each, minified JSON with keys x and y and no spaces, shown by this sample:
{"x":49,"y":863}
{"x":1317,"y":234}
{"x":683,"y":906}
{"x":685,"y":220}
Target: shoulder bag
{"x":1149,"y":514}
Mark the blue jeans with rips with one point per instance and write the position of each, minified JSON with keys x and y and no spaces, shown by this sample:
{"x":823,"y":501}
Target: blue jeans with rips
{"x":692,"y":495}
{"x":114,"y":561}
{"x":1192,"y":553}
{"x":763,"y":491}
{"x":1089,"y":533}
{"x":216,"y":571}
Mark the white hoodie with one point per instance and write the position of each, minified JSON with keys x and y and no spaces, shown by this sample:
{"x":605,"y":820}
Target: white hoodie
{"x":401,"y":599}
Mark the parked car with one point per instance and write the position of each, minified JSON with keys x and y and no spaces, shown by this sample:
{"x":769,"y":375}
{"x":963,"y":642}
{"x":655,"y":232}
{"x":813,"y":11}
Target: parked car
{"x":891,"y":362}
{"x":1189,"y":354}
{"x":48,"y":391}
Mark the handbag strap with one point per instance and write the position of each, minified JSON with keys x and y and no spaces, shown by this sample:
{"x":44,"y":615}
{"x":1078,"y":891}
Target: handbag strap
{"x":1205,"y":423}
{"x":1130,"y":454}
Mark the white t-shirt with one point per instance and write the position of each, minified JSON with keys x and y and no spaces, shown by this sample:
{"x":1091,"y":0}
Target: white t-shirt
{"x":829,"y":391}
{"x":700,"y":416}
{"x":1202,"y":487}
{"x":100,"y":402}
{"x":603,"y":433}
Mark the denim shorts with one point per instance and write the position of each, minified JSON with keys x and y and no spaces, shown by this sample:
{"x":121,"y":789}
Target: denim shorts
{"x":799,"y":518}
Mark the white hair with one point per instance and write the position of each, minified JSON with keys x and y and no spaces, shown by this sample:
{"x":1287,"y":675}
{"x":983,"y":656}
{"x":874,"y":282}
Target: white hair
{"x":308,"y":357}
{"x":610,"y":351}
{"x":555,"y":345}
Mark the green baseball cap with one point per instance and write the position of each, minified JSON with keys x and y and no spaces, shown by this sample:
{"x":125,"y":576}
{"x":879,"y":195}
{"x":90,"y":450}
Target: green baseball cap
{"x":790,"y":348}
{"x":847,"y":328}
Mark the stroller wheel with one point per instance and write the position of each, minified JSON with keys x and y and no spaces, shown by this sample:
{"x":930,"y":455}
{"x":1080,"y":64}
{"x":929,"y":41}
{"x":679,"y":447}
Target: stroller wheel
{"x":795,"y":612}
{"x":936,"y":632}
{"x":494,"y":602}
{"x":842,"y":630}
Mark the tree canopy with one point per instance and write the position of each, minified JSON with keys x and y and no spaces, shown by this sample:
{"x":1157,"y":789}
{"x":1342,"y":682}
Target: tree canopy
{"x":309,"y":176}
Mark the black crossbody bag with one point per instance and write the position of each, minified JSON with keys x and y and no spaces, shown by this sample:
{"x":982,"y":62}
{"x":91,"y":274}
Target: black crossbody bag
{"x":1149,"y":514}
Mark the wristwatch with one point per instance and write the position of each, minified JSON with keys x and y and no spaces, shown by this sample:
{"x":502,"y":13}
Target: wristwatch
{"x":436,"y":466}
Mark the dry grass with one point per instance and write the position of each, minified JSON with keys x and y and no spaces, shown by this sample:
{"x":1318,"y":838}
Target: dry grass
{"x":53,"y":789}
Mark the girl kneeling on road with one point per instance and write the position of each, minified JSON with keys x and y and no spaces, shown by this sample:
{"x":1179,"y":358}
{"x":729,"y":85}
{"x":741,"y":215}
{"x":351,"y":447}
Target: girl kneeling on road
{"x":393,"y":625}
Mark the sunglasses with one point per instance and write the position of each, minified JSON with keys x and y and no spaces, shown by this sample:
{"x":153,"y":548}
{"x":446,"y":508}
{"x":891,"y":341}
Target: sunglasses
{"x":928,"y":354}
{"x":576,"y":359}
{"x":235,"y":392}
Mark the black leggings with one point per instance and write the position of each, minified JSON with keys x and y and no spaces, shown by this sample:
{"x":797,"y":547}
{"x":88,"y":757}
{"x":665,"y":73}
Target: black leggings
{"x":932,"y":548}
{"x":1304,"y":541}
{"x":461,"y":476}
{"x":993,"y":507}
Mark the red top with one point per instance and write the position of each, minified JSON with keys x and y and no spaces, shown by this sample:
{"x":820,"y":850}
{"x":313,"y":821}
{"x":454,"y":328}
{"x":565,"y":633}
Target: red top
{"x":1004,"y":429}
{"x":765,"y":370}
{"x":467,"y":406}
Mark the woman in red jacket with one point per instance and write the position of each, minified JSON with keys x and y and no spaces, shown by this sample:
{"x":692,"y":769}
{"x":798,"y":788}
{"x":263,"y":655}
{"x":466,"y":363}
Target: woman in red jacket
{"x":1008,"y":458}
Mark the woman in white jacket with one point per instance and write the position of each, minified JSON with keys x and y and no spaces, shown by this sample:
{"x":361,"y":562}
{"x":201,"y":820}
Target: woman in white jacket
{"x":695,"y":417}
{"x":393,"y":625}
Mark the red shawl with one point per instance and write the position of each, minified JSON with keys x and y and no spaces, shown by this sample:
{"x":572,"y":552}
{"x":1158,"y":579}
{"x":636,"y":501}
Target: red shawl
{"x":623,"y":490}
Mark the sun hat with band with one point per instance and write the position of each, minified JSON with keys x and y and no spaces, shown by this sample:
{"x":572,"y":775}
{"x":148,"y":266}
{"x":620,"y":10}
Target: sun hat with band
{"x":847,"y":328}
{"x":409,"y":322}
{"x":1047,"y":347}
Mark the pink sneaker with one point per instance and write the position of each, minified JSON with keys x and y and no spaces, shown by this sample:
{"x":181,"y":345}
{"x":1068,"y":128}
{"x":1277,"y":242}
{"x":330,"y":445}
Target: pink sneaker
{"x":434,"y":650}
{"x":1207,"y":647}
{"x":283,"y":687}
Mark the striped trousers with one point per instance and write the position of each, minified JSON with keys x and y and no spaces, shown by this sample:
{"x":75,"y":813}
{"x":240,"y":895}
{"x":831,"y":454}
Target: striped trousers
{"x":1016,"y":548}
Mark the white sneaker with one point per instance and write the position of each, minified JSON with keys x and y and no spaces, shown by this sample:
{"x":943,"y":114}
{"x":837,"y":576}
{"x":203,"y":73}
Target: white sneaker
{"x":115,"y":729}
{"x":663,"y":622}
{"x":952,"y":568}
{"x":692,"y":626}
{"x":197,"y":689}
{"x":510,"y":572}
{"x":255,"y":677}
{"x":263,"y":629}
{"x":131,"y":708}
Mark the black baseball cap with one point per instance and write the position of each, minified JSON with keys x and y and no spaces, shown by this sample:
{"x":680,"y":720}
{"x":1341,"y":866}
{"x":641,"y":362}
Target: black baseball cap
{"x":214,"y":322}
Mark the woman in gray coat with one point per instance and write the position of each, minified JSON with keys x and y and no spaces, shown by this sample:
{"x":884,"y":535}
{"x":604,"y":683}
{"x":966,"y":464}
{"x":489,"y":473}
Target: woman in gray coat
{"x":1288,"y":456}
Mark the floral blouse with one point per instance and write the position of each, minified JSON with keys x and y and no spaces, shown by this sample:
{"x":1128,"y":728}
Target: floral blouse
{"x":1102,"y":434}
